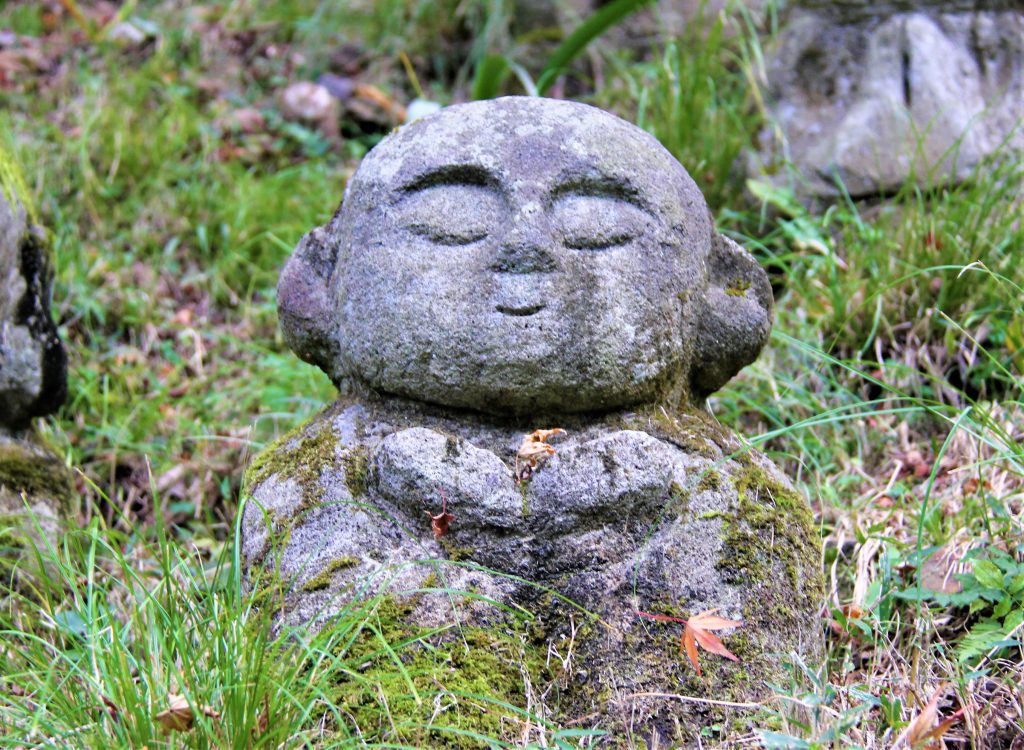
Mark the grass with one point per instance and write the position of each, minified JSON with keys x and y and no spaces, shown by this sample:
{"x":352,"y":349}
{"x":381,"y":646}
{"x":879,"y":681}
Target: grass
{"x":891,"y":390}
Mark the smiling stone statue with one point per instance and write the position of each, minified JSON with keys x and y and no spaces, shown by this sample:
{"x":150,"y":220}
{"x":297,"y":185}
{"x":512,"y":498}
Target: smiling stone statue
{"x":496,"y":268}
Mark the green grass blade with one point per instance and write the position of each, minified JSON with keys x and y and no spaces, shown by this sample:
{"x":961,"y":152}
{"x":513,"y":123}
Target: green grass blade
{"x":491,"y":74}
{"x":588,"y":31}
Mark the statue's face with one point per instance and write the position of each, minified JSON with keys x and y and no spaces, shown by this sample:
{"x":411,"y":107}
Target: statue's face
{"x":512,"y":256}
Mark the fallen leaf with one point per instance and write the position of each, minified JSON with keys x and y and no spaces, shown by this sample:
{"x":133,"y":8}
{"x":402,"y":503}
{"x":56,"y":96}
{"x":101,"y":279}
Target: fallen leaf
{"x":533,"y":450}
{"x":922,"y":734}
{"x":697,"y":632}
{"x":373,"y":94}
{"x":179,"y":715}
{"x":442,"y":520}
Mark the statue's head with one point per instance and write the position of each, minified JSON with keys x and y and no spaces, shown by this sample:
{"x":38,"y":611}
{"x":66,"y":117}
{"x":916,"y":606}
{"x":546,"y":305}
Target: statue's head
{"x":523,"y":255}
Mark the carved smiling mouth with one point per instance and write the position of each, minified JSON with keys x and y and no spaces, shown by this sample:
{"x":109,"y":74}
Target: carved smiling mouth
{"x":520,"y":311}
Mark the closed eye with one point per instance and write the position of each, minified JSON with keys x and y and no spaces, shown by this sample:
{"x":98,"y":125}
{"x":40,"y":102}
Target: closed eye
{"x":598,"y":222}
{"x":444,"y":235}
{"x":451,"y":215}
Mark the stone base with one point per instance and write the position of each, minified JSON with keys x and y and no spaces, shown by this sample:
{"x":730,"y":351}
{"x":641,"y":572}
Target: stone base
{"x":668,"y":514}
{"x":36,"y":495}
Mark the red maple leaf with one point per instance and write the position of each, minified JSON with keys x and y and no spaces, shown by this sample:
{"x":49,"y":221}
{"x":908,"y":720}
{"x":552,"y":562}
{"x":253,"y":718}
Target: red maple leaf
{"x":697,"y":632}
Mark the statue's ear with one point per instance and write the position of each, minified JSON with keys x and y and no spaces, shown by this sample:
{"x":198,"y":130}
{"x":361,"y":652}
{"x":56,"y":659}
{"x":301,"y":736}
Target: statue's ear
{"x":304,"y":301}
{"x":734,"y":317}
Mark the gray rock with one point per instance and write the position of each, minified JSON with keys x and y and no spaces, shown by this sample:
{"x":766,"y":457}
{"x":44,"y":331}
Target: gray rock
{"x":33,"y":365}
{"x":495,"y":268}
{"x":524,"y":256}
{"x":875,"y":93}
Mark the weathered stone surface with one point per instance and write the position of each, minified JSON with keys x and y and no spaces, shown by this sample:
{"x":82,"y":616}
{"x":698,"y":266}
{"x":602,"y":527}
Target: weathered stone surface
{"x":36,"y":494}
{"x":33,"y":366}
{"x":495,"y":268}
{"x":524,"y":256}
{"x":636,"y":511}
{"x":35,"y":486}
{"x":874,"y":93}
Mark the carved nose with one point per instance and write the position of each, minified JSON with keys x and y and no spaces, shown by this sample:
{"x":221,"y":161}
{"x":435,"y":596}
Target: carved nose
{"x":526,"y":249}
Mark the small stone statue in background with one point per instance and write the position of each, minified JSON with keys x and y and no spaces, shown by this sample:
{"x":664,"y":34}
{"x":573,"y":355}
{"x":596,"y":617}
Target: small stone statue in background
{"x":35,"y":485}
{"x":498,"y":270}
{"x":868,"y":95}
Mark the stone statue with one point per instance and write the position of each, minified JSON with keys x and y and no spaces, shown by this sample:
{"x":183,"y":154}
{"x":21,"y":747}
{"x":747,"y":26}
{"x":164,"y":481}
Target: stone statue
{"x":498,"y":268}
{"x":871,"y":94}
{"x":35,"y":486}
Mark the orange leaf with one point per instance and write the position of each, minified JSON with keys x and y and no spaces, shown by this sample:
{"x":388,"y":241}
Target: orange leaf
{"x":691,"y":648}
{"x":712,"y":644}
{"x":922,"y":734}
{"x":179,"y":716}
{"x":707,"y":621}
{"x":696,"y":633}
{"x":440,"y":523}
{"x":533,"y":450}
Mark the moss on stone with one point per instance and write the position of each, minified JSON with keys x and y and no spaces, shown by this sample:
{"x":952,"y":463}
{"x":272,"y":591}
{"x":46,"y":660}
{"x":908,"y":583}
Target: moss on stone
{"x":710,"y":481}
{"x":461,"y":677}
{"x":357,"y":466}
{"x":680,"y":497}
{"x":454,"y":551}
{"x":688,"y":427}
{"x":524,"y":490}
{"x":301,"y":455}
{"x":772,"y":525}
{"x":324,"y":578}
{"x":738,"y":288}
{"x":36,"y":474}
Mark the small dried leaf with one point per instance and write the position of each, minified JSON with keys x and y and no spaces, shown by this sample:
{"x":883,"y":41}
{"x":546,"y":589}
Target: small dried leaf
{"x":541,"y":436}
{"x":533,"y":450}
{"x":922,"y":734}
{"x":697,"y":633}
{"x":179,"y":715}
{"x":707,"y":620}
{"x":440,"y":523}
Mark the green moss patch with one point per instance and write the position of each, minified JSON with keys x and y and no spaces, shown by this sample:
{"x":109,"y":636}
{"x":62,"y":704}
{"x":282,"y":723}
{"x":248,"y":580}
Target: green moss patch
{"x":772,"y":526}
{"x":43,"y":476}
{"x":450,"y":688}
{"x":689,"y":428}
{"x":300,"y":455}
{"x":357,"y":466}
{"x":323,"y":579}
